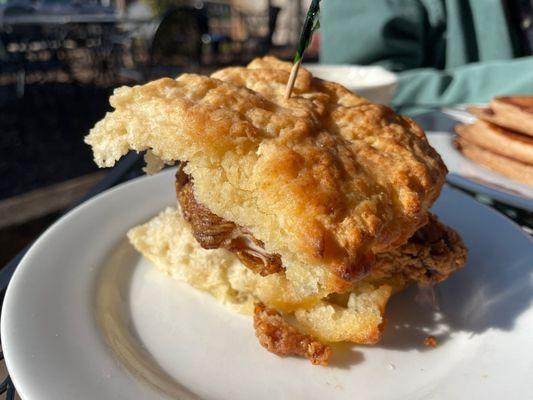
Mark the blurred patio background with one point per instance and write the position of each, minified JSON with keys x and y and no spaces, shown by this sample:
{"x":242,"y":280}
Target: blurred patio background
{"x":61,"y":59}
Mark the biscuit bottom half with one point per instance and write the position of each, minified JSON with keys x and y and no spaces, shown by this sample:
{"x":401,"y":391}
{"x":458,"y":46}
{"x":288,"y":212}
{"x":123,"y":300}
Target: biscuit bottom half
{"x":287,"y":319}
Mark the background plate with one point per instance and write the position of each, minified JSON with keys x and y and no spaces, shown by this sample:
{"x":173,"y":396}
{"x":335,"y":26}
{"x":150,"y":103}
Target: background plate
{"x":85,"y":317}
{"x":469,"y":175}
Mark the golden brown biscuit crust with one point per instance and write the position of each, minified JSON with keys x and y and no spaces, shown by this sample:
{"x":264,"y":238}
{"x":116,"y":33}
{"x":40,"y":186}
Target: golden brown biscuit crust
{"x":325,"y":179}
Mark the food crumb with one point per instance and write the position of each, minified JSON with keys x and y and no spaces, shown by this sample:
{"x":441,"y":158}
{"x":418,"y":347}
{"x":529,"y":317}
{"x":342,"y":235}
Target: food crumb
{"x":430,"y":341}
{"x":392,"y":366}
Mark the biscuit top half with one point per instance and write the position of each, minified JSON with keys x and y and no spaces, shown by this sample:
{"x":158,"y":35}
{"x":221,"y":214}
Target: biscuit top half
{"x":325,"y":179}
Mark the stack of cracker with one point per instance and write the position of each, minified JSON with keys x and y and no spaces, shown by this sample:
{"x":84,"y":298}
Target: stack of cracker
{"x":502,"y":137}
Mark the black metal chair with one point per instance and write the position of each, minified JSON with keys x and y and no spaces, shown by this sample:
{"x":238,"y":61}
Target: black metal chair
{"x":177,"y":42}
{"x":192,"y":36}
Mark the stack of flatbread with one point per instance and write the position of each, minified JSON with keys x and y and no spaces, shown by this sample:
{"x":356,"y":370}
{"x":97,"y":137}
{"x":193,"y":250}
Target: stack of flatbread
{"x":502,"y":137}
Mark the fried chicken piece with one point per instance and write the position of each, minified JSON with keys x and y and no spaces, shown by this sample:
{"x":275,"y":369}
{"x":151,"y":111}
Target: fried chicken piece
{"x":213,"y":232}
{"x":279,"y":337}
{"x":429,"y":257}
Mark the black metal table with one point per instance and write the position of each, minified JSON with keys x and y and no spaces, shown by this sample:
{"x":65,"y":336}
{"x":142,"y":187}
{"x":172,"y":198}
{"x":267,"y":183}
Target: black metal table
{"x":131,"y":167}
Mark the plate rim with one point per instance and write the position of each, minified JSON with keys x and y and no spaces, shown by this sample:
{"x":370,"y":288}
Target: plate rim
{"x":19,"y":380}
{"x":13,"y":375}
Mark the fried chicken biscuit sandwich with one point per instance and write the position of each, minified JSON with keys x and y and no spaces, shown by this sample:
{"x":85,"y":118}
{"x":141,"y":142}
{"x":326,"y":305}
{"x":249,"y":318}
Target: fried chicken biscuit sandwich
{"x":307,"y":212}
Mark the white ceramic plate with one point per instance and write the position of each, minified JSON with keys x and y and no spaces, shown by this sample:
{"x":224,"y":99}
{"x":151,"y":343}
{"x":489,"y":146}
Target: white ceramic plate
{"x":373,"y":82}
{"x":469,"y":175}
{"x":86,"y":318}
{"x":459,"y":113}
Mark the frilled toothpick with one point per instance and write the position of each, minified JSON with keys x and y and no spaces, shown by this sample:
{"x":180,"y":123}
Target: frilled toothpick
{"x":311,"y":24}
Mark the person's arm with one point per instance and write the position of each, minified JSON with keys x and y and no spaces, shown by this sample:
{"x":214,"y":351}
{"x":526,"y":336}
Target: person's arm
{"x":472,"y":83}
{"x":399,"y":35}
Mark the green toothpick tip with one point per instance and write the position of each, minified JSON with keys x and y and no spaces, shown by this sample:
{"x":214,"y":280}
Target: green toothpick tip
{"x":311,"y":24}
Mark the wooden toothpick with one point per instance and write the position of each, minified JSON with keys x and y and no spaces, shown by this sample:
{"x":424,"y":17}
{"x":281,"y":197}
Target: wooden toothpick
{"x":292,"y":78}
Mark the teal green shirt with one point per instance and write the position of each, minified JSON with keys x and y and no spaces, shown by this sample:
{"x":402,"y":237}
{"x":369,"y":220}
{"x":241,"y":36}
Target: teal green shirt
{"x":445,"y":52}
